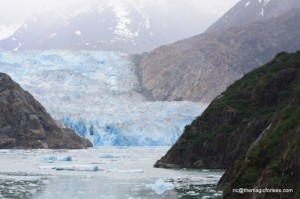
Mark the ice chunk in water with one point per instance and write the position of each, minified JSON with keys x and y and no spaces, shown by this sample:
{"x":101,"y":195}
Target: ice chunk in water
{"x":192,"y":193}
{"x":51,"y":159}
{"x":4,"y":151}
{"x":109,"y":156}
{"x":106,"y":156}
{"x":160,"y":186}
{"x":72,"y":167}
{"x":126,"y":171}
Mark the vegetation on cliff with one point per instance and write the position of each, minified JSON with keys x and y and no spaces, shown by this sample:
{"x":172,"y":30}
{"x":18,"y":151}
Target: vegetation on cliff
{"x":252,"y":130}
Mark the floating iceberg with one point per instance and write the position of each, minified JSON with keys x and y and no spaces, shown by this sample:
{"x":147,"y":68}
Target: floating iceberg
{"x":72,"y":167}
{"x":51,"y":159}
{"x":126,"y":171}
{"x":109,"y":156}
{"x":106,"y":156}
{"x":160,"y":186}
{"x":192,"y":193}
{"x":4,"y":151}
{"x":98,"y":95}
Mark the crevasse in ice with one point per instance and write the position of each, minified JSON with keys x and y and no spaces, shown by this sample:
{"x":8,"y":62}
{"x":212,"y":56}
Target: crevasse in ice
{"x":96,"y":93}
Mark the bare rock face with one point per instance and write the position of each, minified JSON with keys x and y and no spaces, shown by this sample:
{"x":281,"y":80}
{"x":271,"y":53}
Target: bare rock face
{"x":201,"y":67}
{"x":25,"y":124}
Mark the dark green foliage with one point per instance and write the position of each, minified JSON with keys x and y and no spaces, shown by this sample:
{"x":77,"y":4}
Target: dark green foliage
{"x":272,"y":162}
{"x":249,"y":178}
{"x":261,"y":92}
{"x":261,"y":111}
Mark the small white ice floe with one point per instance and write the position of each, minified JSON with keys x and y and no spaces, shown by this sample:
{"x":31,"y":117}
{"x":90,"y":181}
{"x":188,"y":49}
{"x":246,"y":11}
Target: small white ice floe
{"x":126,"y":171}
{"x":108,"y":156}
{"x":192,"y":193}
{"x":72,"y":167}
{"x":51,"y":159}
{"x":160,"y":186}
{"x":4,"y":151}
{"x":77,"y":32}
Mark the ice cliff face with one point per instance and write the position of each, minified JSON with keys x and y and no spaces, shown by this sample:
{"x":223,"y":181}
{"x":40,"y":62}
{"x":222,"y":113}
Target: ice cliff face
{"x":97,"y":94}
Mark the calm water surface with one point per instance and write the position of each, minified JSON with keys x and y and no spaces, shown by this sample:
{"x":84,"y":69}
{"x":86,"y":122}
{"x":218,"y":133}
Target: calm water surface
{"x":103,"y":172}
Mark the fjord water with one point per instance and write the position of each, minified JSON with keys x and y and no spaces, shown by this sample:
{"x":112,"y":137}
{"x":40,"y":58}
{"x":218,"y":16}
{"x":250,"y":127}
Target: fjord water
{"x":122,"y":172}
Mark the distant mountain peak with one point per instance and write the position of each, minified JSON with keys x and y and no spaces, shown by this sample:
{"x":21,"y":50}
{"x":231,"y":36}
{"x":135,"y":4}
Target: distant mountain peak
{"x":127,"y":26}
{"x":247,"y":11}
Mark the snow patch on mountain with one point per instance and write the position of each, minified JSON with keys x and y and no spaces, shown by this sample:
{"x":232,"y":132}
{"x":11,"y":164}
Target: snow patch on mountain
{"x":8,"y":30}
{"x":52,"y":35}
{"x":78,"y":32}
{"x":262,"y":12}
{"x":19,"y":46}
{"x":121,"y":12}
{"x":266,"y":2}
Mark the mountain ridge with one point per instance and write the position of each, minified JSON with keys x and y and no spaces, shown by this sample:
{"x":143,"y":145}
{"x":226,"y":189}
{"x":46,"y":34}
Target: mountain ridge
{"x":248,"y":11}
{"x":201,"y":67}
{"x":107,"y":25}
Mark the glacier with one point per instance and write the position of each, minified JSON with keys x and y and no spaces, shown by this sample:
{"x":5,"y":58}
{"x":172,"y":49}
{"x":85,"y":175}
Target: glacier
{"x":96,"y":93}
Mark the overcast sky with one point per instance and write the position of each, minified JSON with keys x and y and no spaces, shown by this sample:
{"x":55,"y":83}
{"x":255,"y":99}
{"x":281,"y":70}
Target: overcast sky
{"x":18,"y":10}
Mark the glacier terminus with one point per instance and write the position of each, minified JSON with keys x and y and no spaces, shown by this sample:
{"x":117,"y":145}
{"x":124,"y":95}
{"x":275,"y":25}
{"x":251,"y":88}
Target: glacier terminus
{"x":97,"y":93}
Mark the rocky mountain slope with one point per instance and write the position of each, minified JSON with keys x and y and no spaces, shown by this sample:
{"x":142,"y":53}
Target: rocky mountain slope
{"x":25,"y":124}
{"x":247,"y":11}
{"x":118,"y":25}
{"x":201,"y":67}
{"x":252,"y":130}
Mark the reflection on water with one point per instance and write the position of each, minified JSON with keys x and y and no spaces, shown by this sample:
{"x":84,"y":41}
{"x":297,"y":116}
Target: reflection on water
{"x":125,"y":172}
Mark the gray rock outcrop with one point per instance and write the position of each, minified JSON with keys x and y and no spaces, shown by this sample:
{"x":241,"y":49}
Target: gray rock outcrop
{"x":201,"y":67}
{"x":25,"y":124}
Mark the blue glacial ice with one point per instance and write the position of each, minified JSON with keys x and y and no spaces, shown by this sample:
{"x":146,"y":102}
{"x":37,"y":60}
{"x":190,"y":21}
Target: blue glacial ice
{"x":51,"y":159}
{"x":160,"y":186}
{"x":72,"y":167}
{"x":96,"y":94}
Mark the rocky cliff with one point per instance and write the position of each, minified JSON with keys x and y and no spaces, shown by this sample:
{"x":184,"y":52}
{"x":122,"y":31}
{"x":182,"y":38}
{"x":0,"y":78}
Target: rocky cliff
{"x":252,"y":130}
{"x":25,"y":124}
{"x":201,"y":67}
